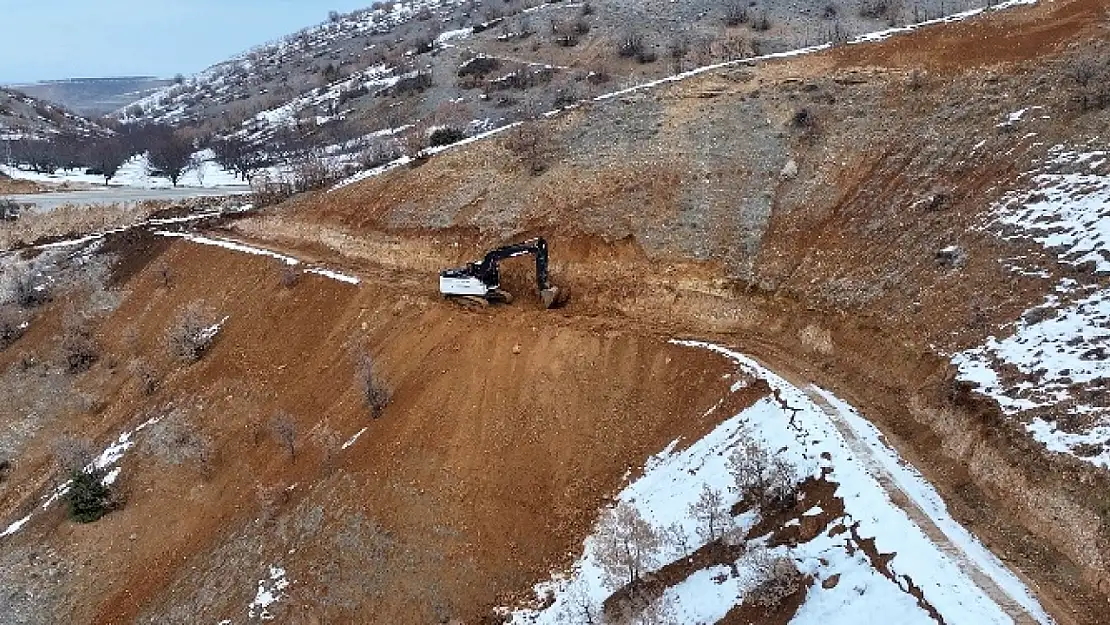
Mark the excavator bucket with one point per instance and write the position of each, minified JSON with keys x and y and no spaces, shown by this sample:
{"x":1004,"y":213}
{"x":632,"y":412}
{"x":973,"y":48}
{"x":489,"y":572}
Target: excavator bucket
{"x":554,"y":297}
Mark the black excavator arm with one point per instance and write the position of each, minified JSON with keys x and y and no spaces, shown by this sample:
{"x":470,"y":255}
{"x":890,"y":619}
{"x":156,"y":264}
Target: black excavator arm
{"x":487,"y":272}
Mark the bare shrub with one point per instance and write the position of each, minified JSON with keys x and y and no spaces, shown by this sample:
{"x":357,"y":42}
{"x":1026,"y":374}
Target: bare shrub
{"x":267,"y":190}
{"x":71,"y":455}
{"x":778,"y":578}
{"x":175,"y":441}
{"x":875,"y":9}
{"x":378,"y":152}
{"x":374,"y":392}
{"x":627,"y":545}
{"x":30,"y":290}
{"x":145,"y":376}
{"x":284,"y":430}
{"x":711,"y":513}
{"x":748,"y":465}
{"x":290,"y":275}
{"x":12,"y":326}
{"x":631,"y":44}
{"x":760,"y":479}
{"x":533,"y":145}
{"x":1091,"y":76}
{"x":312,"y":172}
{"x":735,"y":13}
{"x":192,"y":333}
{"x":762,"y":22}
{"x":271,"y":498}
{"x":79,"y":349}
{"x":781,"y":491}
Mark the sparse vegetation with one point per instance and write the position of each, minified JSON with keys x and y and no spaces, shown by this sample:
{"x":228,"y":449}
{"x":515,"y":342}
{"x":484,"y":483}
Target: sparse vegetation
{"x":374,"y":392}
{"x":778,"y":577}
{"x":533,"y":145}
{"x":627,"y":545}
{"x":711,"y":514}
{"x":79,"y":349}
{"x":192,"y":334}
{"x":284,"y":430}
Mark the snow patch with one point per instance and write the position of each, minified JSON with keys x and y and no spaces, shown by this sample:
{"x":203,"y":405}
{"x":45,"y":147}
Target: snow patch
{"x":269,"y":592}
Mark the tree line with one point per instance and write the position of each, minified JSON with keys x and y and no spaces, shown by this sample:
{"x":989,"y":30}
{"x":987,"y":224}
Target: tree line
{"x":170,"y":152}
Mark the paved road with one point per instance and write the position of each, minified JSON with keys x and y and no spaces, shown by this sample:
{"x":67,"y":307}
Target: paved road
{"x":121,"y":195}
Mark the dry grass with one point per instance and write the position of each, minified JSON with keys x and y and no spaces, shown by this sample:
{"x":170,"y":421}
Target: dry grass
{"x":71,"y":219}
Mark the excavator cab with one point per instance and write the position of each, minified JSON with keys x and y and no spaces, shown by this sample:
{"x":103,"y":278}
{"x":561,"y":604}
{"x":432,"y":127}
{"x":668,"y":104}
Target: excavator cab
{"x":480,"y":281}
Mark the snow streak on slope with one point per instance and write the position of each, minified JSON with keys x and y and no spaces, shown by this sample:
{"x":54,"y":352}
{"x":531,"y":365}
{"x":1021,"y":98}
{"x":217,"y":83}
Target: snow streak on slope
{"x":960,"y":580}
{"x":1053,"y":368}
{"x":108,"y":460}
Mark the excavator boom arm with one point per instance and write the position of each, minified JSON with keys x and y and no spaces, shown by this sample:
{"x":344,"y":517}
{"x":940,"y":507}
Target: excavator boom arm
{"x":490,"y":272}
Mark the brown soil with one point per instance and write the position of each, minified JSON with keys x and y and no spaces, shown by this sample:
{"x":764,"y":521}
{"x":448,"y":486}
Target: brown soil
{"x":510,"y":426}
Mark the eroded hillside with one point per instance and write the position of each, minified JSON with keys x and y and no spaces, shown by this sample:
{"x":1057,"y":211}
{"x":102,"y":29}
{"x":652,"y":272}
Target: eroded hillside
{"x":845,"y":217}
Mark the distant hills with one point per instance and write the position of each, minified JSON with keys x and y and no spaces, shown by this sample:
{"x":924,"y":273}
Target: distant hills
{"x":94,"y":97}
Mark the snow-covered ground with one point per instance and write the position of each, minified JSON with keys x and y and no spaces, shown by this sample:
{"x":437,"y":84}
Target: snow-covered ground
{"x":1051,"y":367}
{"x":136,"y":173}
{"x":817,"y":435}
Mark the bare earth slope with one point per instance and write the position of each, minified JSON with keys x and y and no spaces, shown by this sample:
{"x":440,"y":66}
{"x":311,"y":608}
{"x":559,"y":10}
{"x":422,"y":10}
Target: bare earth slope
{"x":800,"y":209}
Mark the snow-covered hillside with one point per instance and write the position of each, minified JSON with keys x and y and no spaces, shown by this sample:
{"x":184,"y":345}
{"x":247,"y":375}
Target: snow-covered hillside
{"x":235,"y":78}
{"x":24,"y":117}
{"x":1051,"y":367}
{"x":882,"y":548}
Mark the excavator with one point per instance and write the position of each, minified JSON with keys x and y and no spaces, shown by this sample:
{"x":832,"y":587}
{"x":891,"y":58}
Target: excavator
{"x":479,"y":282}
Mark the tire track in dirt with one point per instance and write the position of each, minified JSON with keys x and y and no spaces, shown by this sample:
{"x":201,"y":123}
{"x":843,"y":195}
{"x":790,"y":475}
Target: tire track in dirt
{"x":919,"y":516}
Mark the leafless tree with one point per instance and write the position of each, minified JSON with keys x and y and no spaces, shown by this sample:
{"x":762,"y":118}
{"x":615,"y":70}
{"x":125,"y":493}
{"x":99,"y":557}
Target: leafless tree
{"x":374,"y":392}
{"x":777,"y":577}
{"x":675,"y":537}
{"x":192,"y":333}
{"x":79,"y":348}
{"x":284,"y":429}
{"x":533,"y":144}
{"x":107,"y":156}
{"x":711,"y":513}
{"x":171,"y":154}
{"x":748,"y":465}
{"x":627,"y":545}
